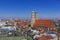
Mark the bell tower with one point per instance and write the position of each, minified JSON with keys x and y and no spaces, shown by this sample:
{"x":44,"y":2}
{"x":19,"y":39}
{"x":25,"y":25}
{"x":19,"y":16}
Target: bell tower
{"x":33,"y":17}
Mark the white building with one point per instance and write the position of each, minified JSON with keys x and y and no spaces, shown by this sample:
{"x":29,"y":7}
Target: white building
{"x":2,"y":23}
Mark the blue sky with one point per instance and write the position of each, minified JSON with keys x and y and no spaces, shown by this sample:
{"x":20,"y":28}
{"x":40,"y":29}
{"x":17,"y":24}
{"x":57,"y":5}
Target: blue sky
{"x":23,"y":8}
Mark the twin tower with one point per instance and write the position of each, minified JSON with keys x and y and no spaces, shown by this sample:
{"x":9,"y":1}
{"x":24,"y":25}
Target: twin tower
{"x":34,"y":17}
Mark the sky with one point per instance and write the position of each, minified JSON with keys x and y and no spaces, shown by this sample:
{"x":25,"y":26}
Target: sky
{"x":23,"y":8}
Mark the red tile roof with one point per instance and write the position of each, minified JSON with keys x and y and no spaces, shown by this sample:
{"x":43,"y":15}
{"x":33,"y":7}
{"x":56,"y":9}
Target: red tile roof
{"x":23,"y":24}
{"x":48,"y":37}
{"x":17,"y":20}
{"x":45,"y":23}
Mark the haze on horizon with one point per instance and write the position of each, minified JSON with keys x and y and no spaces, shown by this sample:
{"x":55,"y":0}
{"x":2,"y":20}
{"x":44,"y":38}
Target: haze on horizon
{"x":23,"y":8}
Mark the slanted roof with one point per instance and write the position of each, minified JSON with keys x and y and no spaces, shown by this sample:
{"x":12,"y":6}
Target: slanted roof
{"x":17,"y":20}
{"x":44,"y":23}
{"x":23,"y":24}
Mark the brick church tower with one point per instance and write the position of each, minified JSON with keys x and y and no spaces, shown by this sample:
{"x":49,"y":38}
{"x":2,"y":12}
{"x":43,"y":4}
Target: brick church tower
{"x":33,"y":17}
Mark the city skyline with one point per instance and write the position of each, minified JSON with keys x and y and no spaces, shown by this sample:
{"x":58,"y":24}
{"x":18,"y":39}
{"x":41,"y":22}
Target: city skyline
{"x":47,"y":9}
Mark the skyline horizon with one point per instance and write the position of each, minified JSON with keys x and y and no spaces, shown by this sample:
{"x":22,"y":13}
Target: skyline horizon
{"x":57,"y":18}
